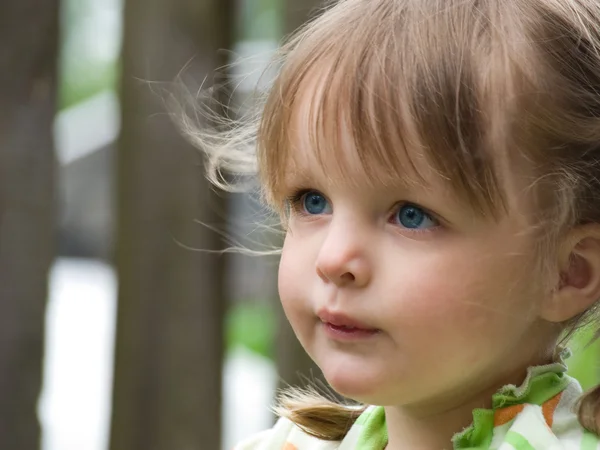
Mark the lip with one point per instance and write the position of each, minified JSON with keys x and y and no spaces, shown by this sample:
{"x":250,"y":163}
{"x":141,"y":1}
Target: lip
{"x":343,"y":334}
{"x":341,"y":320}
{"x":343,"y":328}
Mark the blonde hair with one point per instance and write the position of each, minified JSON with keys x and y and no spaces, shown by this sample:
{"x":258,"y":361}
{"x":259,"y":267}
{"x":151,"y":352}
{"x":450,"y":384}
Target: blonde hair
{"x":474,"y":86}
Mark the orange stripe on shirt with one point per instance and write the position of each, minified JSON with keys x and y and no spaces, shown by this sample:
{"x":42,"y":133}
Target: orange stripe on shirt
{"x":505,"y":415}
{"x":549,"y":407}
{"x":289,"y":446}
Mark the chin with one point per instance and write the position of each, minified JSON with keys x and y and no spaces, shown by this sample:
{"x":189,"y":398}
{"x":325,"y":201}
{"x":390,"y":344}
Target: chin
{"x":370,"y":388}
{"x":354,"y":385}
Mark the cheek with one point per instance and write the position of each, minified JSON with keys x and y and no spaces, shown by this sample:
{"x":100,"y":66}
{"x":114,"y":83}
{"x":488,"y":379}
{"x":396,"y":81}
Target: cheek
{"x":291,"y":266}
{"x":292,"y":276}
{"x":457,"y":300}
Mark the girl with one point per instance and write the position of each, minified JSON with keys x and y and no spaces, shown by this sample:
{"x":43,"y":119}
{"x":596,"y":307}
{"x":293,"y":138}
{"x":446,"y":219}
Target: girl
{"x":436,"y":164}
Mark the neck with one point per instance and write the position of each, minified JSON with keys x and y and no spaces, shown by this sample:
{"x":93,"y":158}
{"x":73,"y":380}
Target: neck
{"x":410,"y":428}
{"x":431,"y":426}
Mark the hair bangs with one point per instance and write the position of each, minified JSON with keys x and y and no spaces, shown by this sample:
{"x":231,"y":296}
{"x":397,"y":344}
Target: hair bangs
{"x":405,"y":112}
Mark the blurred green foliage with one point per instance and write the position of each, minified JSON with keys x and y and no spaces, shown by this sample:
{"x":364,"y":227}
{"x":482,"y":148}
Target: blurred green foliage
{"x":251,"y":325}
{"x":89,"y":49}
{"x":585,"y":362}
{"x":261,"y":20}
{"x":79,"y":85}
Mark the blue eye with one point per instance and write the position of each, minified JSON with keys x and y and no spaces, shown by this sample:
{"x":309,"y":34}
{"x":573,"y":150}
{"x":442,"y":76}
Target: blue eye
{"x":315,"y":203}
{"x":413,"y":217}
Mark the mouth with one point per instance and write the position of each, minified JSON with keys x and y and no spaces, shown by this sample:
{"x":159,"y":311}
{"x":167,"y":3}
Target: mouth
{"x":343,"y":326}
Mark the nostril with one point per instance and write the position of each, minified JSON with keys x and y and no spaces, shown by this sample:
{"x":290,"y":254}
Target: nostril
{"x":344,"y":271}
{"x":348,"y":277}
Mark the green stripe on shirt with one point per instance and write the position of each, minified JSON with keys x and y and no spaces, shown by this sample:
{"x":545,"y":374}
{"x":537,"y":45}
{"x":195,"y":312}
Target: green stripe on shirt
{"x":518,"y":441}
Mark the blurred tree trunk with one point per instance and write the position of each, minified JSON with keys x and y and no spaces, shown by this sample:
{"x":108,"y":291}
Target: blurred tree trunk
{"x":28,"y":56}
{"x":293,"y":364}
{"x":167,"y":387}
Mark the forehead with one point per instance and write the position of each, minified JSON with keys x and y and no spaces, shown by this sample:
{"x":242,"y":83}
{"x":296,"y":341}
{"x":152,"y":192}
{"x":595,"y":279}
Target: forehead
{"x":322,"y":141}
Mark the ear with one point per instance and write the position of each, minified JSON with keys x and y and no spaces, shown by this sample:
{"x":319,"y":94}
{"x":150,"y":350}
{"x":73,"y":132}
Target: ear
{"x":578,"y":286}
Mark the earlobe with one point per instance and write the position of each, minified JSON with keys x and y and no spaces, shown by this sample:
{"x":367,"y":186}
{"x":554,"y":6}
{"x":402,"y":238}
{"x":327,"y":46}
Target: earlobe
{"x":579,"y":280}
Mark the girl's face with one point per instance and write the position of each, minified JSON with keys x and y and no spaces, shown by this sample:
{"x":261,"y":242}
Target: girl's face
{"x":402,"y":295}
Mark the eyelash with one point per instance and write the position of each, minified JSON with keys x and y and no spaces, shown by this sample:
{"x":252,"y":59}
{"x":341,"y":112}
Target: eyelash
{"x":295,"y":205}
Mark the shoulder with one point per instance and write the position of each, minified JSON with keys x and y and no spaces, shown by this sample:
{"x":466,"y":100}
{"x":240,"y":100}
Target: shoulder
{"x":285,"y":435}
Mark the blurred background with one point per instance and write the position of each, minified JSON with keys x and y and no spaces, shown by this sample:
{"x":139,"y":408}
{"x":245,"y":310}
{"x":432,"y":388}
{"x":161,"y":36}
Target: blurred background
{"x":114,"y":333}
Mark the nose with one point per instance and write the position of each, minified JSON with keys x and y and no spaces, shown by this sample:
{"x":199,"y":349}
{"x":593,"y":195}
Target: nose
{"x":342,"y":258}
